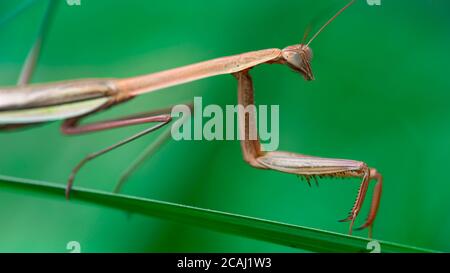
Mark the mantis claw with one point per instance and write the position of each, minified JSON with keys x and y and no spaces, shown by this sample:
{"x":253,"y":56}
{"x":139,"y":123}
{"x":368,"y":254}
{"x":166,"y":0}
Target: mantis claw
{"x":372,"y":174}
{"x":349,"y":218}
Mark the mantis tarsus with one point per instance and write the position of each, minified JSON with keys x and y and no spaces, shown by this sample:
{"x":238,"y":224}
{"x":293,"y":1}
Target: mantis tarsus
{"x":71,"y":101}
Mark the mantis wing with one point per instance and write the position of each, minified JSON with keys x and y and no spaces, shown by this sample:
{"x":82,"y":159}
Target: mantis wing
{"x":50,"y":113}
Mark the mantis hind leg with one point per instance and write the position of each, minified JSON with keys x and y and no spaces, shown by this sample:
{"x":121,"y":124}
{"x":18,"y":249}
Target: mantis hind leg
{"x":151,"y":149}
{"x":148,"y":151}
{"x":71,"y":126}
{"x":303,"y":165}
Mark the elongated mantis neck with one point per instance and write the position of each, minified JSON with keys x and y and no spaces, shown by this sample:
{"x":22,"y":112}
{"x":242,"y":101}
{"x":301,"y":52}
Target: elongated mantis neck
{"x":225,"y":65}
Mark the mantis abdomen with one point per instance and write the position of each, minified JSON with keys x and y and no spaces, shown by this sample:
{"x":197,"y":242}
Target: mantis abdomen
{"x":53,"y":101}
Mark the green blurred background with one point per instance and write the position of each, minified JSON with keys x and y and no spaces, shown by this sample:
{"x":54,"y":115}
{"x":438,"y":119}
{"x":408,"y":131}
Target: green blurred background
{"x":381,"y":95}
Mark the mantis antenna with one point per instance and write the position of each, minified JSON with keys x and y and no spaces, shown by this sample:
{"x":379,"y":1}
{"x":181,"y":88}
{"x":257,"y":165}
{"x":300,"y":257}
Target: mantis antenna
{"x":329,"y":21}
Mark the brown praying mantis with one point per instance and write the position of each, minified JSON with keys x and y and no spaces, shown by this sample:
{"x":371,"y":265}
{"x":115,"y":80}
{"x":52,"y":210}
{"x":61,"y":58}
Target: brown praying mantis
{"x":71,"y":101}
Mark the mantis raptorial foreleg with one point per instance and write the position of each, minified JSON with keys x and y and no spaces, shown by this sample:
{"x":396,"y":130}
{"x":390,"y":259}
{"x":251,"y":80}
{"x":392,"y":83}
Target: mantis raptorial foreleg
{"x":303,"y":165}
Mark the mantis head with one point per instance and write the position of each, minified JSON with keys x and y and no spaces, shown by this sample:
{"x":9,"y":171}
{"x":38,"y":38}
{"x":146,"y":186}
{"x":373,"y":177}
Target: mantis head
{"x":298,"y":57}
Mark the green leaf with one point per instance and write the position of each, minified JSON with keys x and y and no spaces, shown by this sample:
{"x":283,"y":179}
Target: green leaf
{"x":275,"y":232}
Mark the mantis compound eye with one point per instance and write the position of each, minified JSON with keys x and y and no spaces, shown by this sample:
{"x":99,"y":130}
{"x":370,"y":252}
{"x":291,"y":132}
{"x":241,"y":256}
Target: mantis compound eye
{"x":308,"y":53}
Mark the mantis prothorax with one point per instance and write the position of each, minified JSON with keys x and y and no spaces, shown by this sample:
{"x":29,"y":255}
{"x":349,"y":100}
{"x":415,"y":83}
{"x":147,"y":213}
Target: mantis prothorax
{"x":73,"y":100}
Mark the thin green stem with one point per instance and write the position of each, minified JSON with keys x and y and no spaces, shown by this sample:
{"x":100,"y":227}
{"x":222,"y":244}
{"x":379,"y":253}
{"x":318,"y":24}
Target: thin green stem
{"x":270,"y":231}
